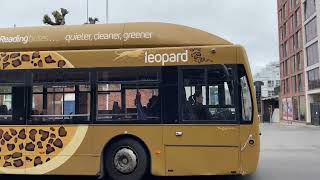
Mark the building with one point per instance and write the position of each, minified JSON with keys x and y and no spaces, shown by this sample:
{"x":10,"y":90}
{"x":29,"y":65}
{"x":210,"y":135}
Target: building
{"x":266,"y":82}
{"x":311,"y":23}
{"x":269,"y":78}
{"x":291,"y":51}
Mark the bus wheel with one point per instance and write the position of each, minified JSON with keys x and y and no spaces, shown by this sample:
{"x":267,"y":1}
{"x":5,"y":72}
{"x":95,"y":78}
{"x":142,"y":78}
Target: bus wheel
{"x":126,"y":159}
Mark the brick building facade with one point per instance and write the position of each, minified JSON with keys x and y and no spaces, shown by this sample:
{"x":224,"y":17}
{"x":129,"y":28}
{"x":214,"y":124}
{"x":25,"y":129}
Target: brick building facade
{"x":292,"y":96}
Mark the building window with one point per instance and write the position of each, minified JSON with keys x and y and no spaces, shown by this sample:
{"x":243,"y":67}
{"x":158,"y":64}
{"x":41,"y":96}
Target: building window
{"x":300,"y":83}
{"x":270,"y":93}
{"x":285,"y":9}
{"x":292,"y":48}
{"x":298,"y":61}
{"x":313,"y":79}
{"x":270,"y":83}
{"x":297,"y":40}
{"x":294,"y":67}
{"x":280,"y":16}
{"x":291,"y":24}
{"x":291,"y":4}
{"x":312,"y":54}
{"x":286,"y":70}
{"x":285,"y":49}
{"x":302,"y":108}
{"x":311,"y":29}
{"x":284,"y":31}
{"x":277,"y":83}
{"x":283,"y":87}
{"x":309,"y":8}
{"x":287,"y":86}
{"x":297,"y":18}
{"x":294,"y":84}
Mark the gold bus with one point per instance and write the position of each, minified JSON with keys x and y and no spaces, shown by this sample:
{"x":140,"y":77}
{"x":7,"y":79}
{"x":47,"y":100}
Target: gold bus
{"x":125,"y":100}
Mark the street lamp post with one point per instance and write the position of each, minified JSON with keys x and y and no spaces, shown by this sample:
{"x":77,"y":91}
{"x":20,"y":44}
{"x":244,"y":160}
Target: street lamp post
{"x":107,"y":11}
{"x":87,"y":11}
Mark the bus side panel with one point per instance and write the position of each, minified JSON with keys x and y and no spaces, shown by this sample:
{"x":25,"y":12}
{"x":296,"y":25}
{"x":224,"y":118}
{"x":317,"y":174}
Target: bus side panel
{"x":87,"y":159}
{"x":201,"y":160}
{"x":202,"y":150}
{"x":9,"y":145}
{"x":249,"y":153}
{"x":151,"y":135}
{"x":75,"y":159}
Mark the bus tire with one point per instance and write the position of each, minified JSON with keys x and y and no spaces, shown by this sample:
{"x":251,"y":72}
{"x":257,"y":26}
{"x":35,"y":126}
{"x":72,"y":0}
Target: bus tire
{"x":126,"y":159}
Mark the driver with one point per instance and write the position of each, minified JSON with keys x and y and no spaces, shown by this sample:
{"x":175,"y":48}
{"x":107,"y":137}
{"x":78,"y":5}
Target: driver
{"x":201,"y":111}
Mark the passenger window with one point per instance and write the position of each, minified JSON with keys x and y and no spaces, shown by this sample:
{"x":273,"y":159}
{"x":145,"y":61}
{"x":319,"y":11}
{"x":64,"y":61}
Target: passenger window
{"x":12,"y":98}
{"x":194,"y":98}
{"x":221,"y":92}
{"x":208,"y":94}
{"x":5,"y":103}
{"x":246,"y":99}
{"x":65,"y":101}
{"x":128,"y":95}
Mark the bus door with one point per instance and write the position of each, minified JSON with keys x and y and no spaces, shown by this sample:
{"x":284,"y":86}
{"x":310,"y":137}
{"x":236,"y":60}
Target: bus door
{"x":206,"y":140}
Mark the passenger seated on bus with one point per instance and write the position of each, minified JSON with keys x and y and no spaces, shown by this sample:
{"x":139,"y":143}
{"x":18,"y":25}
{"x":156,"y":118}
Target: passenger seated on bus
{"x":201,"y":111}
{"x":35,"y":112}
{"x":188,"y":113}
{"x":44,"y":112}
{"x":116,"y":110}
{"x":3,"y":110}
{"x":191,"y":100}
{"x":140,"y":109}
{"x":153,"y":106}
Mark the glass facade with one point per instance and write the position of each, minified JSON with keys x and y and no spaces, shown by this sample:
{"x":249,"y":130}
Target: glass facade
{"x":302,"y":104}
{"x":311,"y":29}
{"x":309,"y":8}
{"x":313,"y":79}
{"x":312,"y":54}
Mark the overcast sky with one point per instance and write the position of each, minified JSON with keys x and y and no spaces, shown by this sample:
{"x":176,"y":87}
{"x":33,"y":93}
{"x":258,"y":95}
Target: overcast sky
{"x":251,"y":23}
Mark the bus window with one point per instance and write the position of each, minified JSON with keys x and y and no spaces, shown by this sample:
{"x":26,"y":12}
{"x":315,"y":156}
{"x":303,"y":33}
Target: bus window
{"x":5,"y":103}
{"x":128,"y":95}
{"x":64,"y":101}
{"x":246,"y":100}
{"x":12,"y":98}
{"x":194,"y":92}
{"x":109,"y":101}
{"x":221,"y":92}
{"x":208,"y":94}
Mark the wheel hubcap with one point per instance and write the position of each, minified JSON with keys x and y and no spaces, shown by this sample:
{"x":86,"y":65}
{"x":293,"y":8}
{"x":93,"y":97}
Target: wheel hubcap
{"x":125,"y":161}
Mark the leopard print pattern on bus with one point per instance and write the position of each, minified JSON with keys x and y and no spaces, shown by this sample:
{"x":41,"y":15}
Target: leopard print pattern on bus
{"x":15,"y":60}
{"x":19,"y":146}
{"x":198,"y":57}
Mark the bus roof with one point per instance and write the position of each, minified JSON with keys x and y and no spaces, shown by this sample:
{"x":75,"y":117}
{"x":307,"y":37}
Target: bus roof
{"x":104,"y":36}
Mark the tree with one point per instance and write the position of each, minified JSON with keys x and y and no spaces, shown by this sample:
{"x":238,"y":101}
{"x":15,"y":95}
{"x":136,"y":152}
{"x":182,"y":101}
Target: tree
{"x":59,"y":17}
{"x":93,"y":20}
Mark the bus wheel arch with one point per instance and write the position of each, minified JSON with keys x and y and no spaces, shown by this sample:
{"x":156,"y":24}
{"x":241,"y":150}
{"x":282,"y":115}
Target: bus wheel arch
{"x":112,"y":141}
